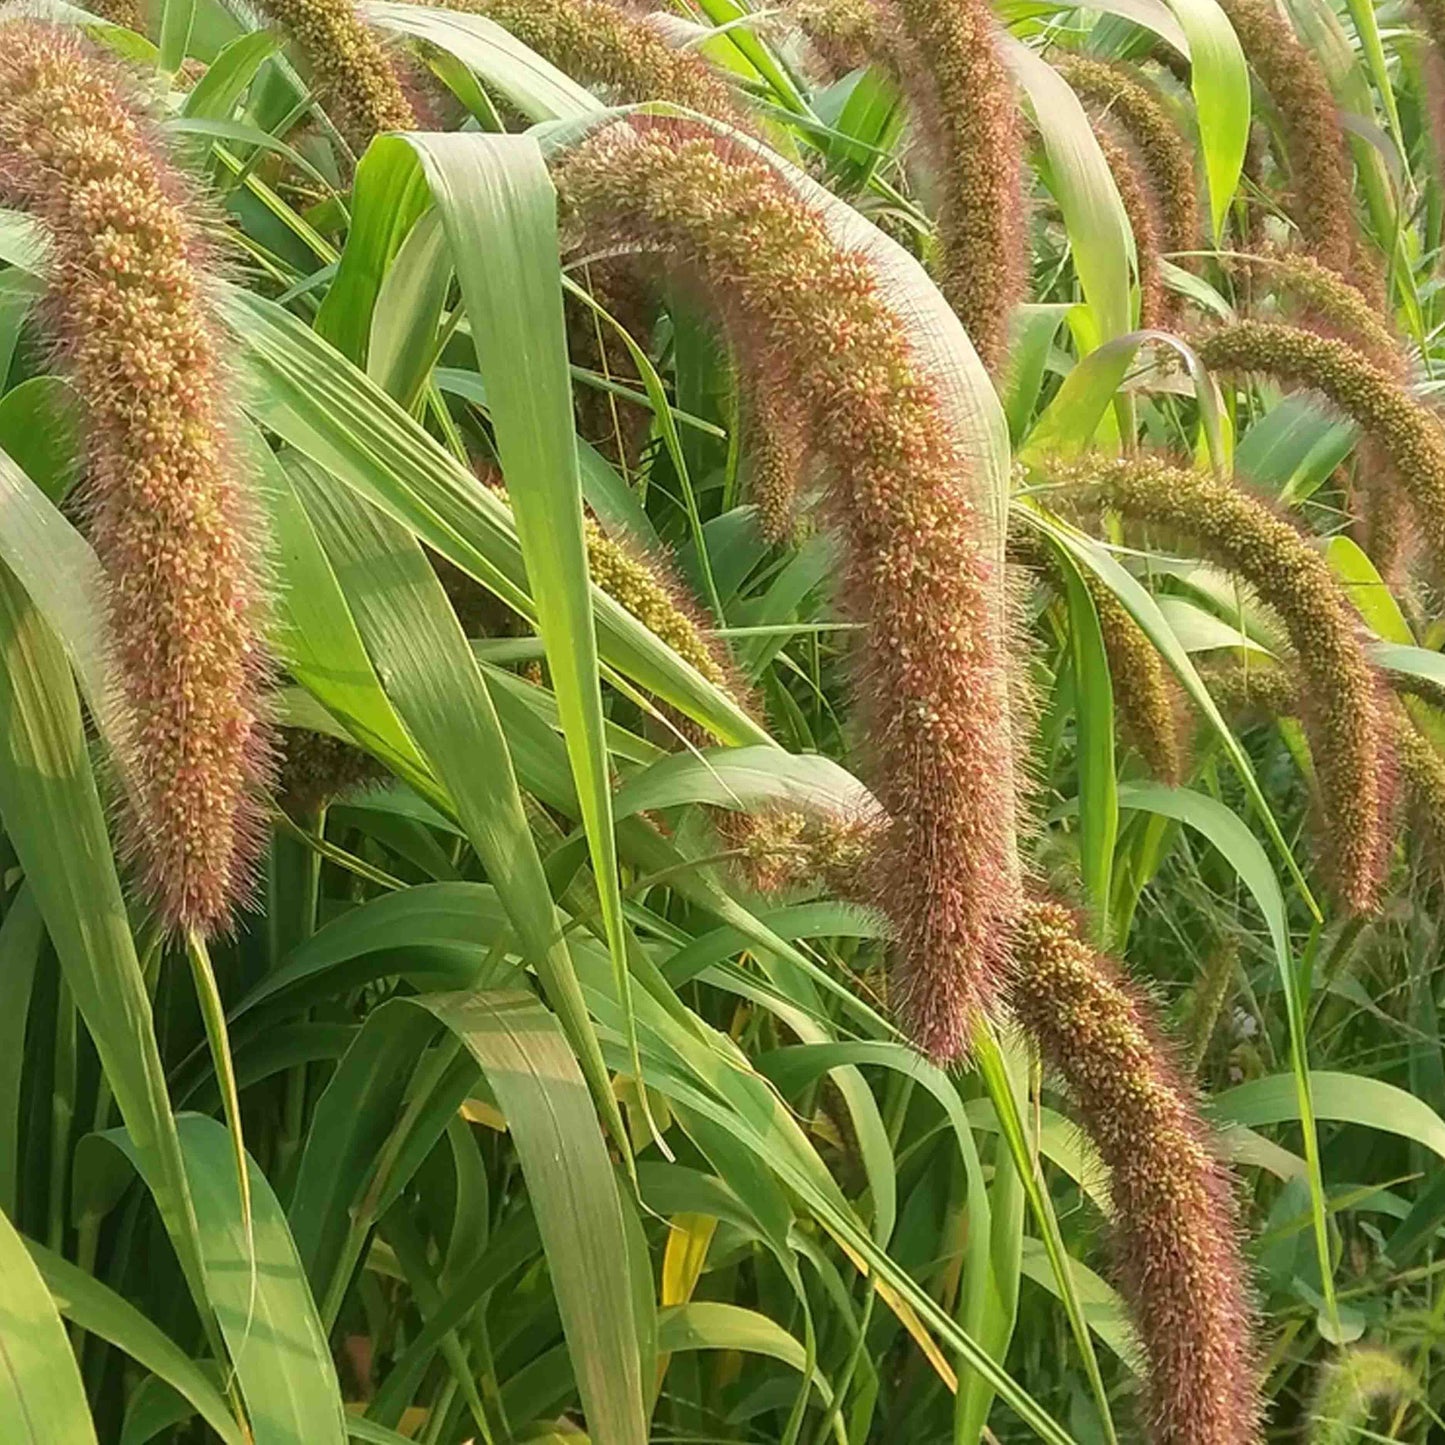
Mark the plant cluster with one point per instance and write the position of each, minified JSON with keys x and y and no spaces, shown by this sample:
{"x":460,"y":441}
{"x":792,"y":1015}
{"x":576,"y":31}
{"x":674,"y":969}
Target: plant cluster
{"x":687,"y":931}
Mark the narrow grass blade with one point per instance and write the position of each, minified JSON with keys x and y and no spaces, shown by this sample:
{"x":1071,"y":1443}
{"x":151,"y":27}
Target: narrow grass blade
{"x":500,"y":213}
{"x":573,"y":1192}
{"x":42,"y":1400}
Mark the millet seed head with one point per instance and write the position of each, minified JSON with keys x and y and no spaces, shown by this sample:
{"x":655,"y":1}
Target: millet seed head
{"x":1166,"y":155}
{"x":1321,"y":300}
{"x":1155,"y":302}
{"x":1322,"y":205}
{"x":1408,"y":436}
{"x":131,"y":313}
{"x":953,"y":73}
{"x":1178,"y":1260}
{"x":355,"y":78}
{"x":775,"y":455}
{"x":1144,"y":699}
{"x":610,"y":48}
{"x":920,"y":568}
{"x":1343,"y":704}
{"x":844,"y":32}
{"x":317,"y":768}
{"x":1350,"y":1386}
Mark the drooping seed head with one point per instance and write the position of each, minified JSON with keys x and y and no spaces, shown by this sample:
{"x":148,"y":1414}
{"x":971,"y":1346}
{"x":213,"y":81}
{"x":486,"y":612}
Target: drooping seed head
{"x":1406,"y":433}
{"x":1322,"y":201}
{"x":845,"y":32}
{"x":1210,"y":995}
{"x":775,"y":455}
{"x":1321,"y":300}
{"x":1342,"y":704}
{"x":1431,"y":14}
{"x":130,"y":311}
{"x":1155,"y":302}
{"x":1422,"y":788}
{"x":1166,"y":155}
{"x":355,"y":78}
{"x":1178,"y":1262}
{"x":953,"y":73}
{"x":608,"y":48}
{"x":920,"y":567}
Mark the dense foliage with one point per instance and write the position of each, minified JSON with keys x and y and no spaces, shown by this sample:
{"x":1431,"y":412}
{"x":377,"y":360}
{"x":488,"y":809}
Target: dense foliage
{"x":722,"y":723}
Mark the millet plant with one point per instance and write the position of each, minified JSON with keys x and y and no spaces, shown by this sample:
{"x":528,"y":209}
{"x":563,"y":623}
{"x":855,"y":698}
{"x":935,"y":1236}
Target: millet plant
{"x":812,"y":886}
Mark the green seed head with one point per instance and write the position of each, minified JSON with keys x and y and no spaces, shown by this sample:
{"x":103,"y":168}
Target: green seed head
{"x":1350,"y":1386}
{"x":1407,"y":435}
{"x":176,"y":540}
{"x":1324,"y":301}
{"x":919,"y":572}
{"x":845,"y":32}
{"x":600,"y":44}
{"x":1178,"y":1258}
{"x":317,"y":768}
{"x":1144,"y":699}
{"x":1342,"y":706}
{"x":776,"y":454}
{"x":354,"y":76}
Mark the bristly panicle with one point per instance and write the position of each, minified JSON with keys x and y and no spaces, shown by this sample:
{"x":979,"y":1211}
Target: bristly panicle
{"x":1344,"y":710}
{"x":1144,"y":700}
{"x":953,"y":73}
{"x":1142,"y":690}
{"x":920,"y":571}
{"x":1350,"y":1387}
{"x":1422,"y":789}
{"x":775,"y":456}
{"x":844,"y":32}
{"x":354,"y":76}
{"x":1155,"y":302}
{"x":1431,"y":14}
{"x":1318,"y":298}
{"x":644,"y":590}
{"x":317,"y":768}
{"x":603,"y":45}
{"x":129,"y":306}
{"x":1167,"y":157}
{"x":1406,"y":433}
{"x":1178,"y":1258}
{"x":1322,"y":203}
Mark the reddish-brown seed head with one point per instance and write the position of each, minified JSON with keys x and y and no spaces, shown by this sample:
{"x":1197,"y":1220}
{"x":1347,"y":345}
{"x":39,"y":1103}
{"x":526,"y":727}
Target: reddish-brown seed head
{"x":920,"y":570}
{"x":169,"y":521}
{"x":1343,"y":707}
{"x":1178,"y":1260}
{"x":948,"y":56}
{"x":1167,"y":158}
{"x":1322,"y":203}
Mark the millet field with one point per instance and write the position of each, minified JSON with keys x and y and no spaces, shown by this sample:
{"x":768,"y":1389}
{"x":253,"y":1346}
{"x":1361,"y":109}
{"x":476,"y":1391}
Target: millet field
{"x":722,"y":722}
